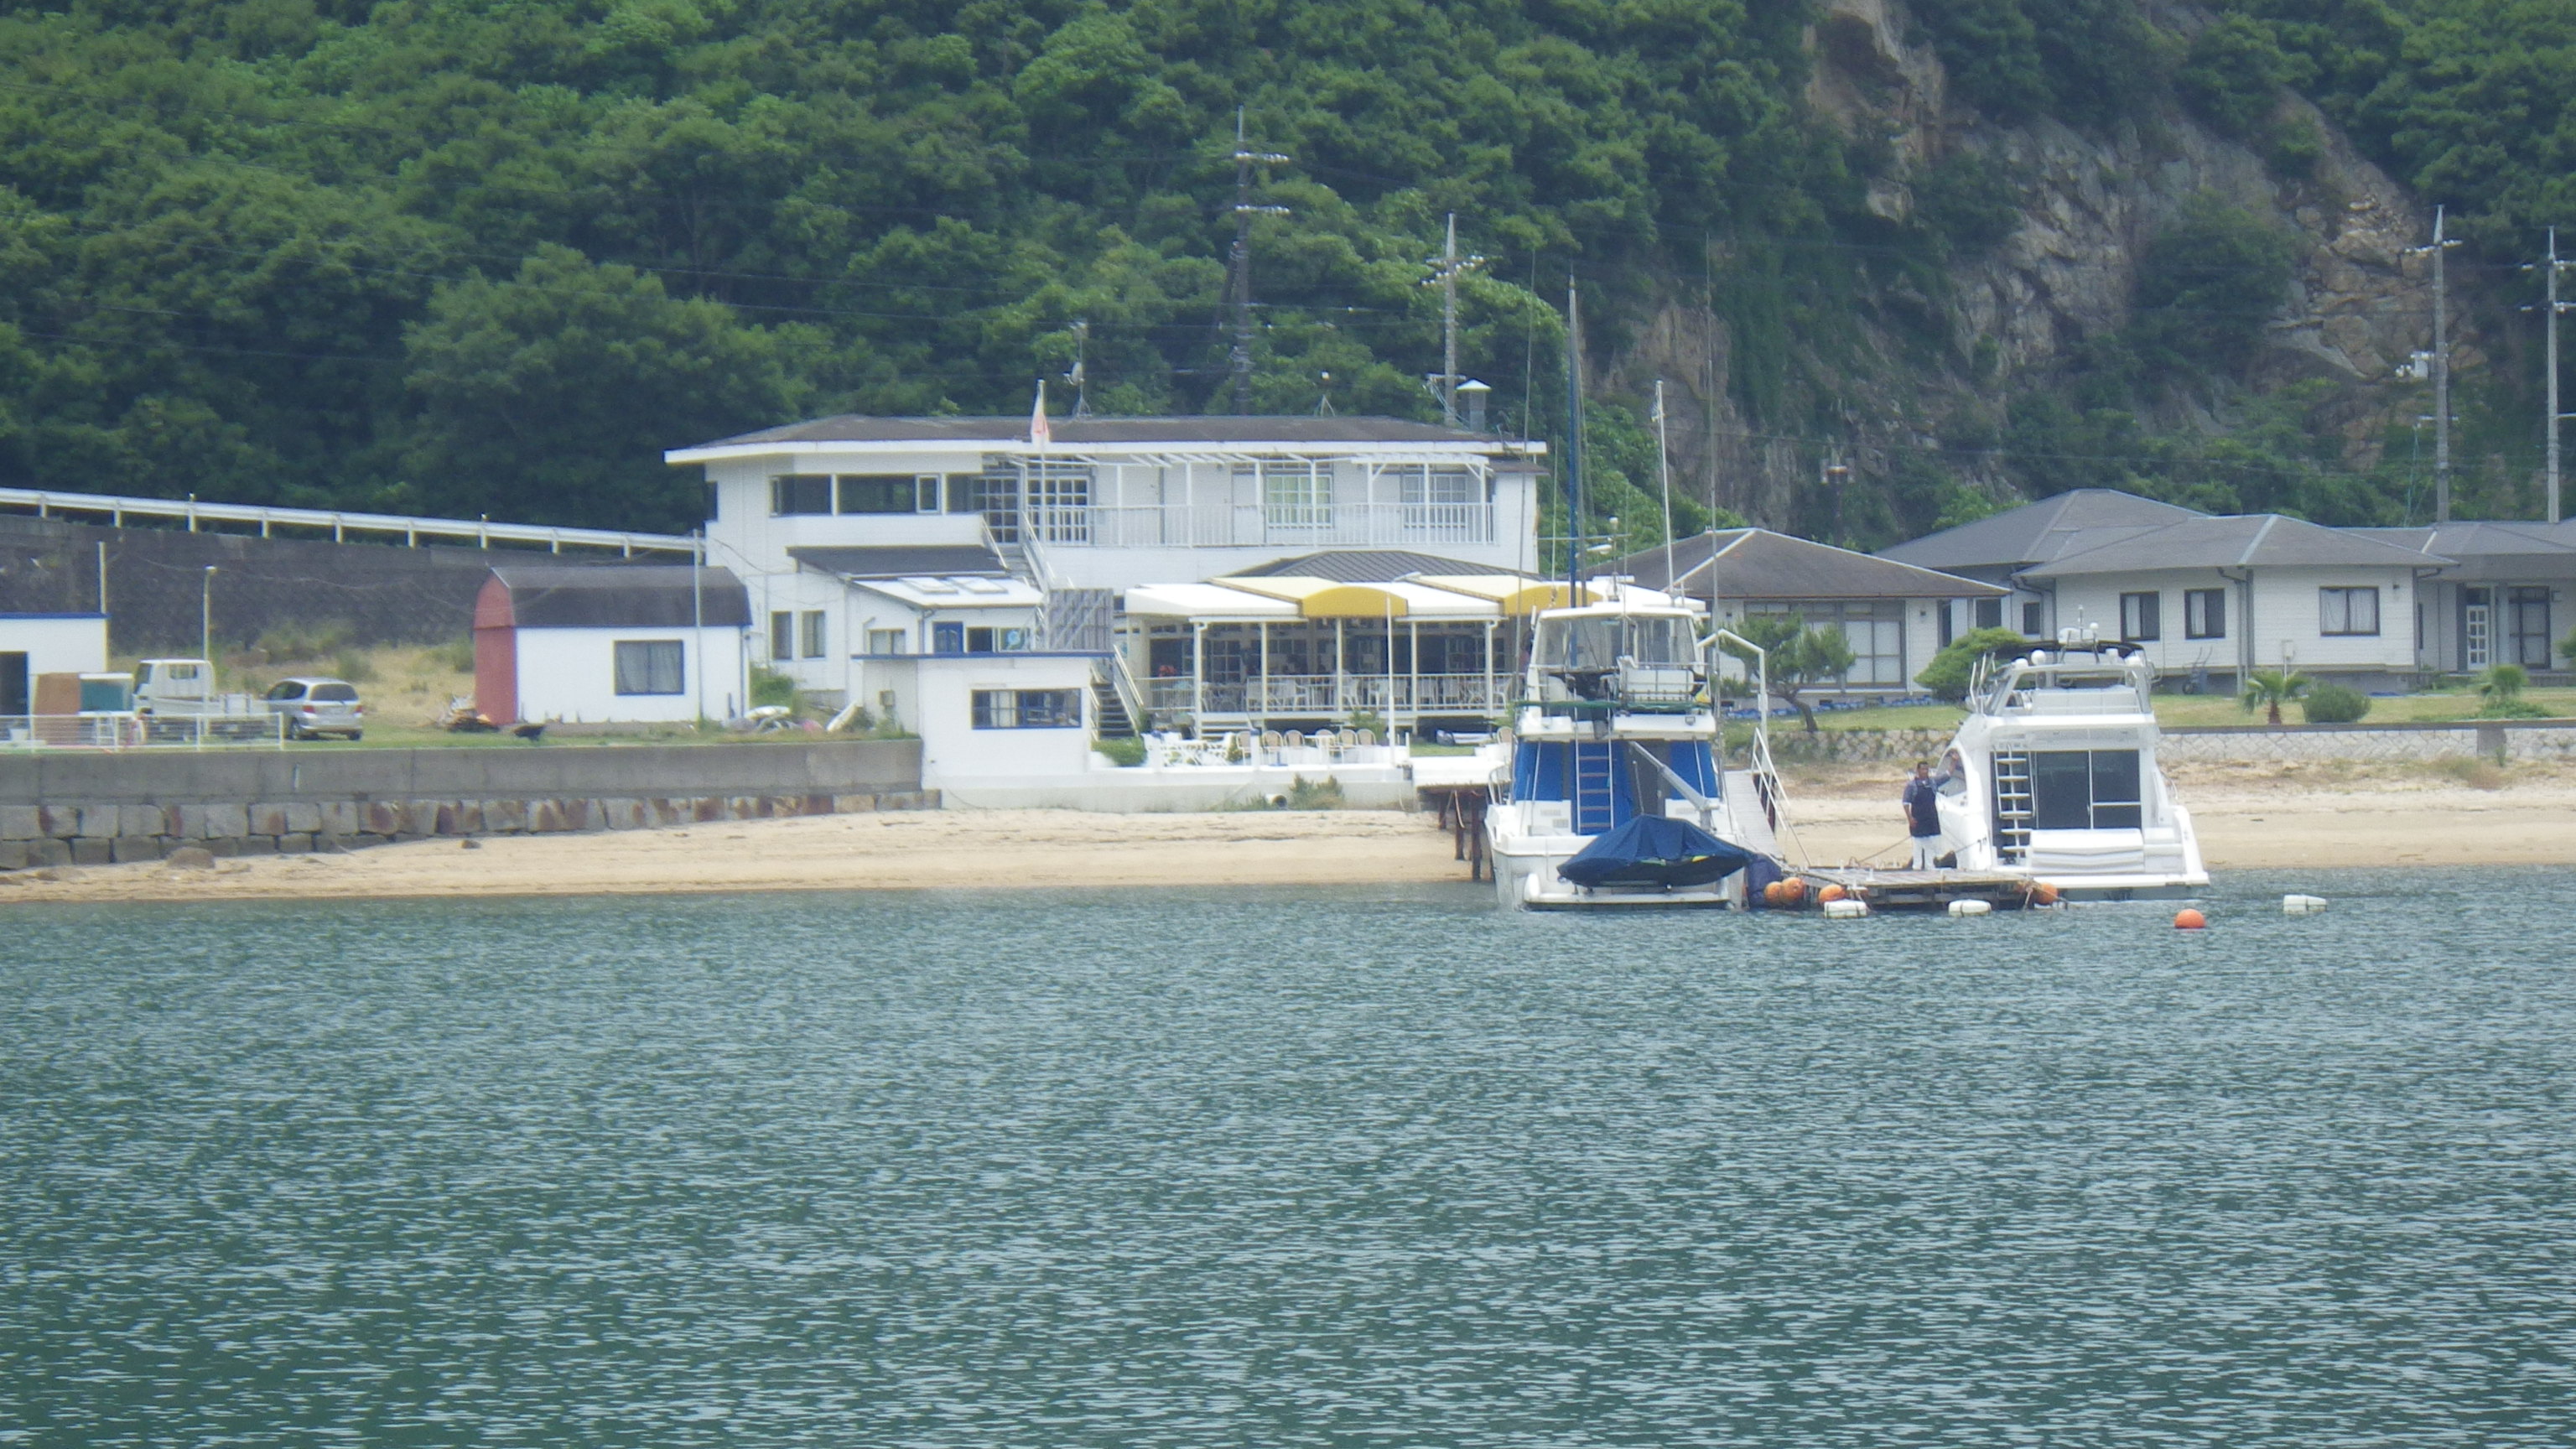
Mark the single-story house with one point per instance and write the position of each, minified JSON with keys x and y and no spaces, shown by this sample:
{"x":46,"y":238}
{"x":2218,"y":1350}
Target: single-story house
{"x":2502,"y":599}
{"x":34,"y":644}
{"x":2208,"y":598}
{"x":998,"y":720}
{"x":1893,"y":614}
{"x":1998,"y":548}
{"x":622,"y":643}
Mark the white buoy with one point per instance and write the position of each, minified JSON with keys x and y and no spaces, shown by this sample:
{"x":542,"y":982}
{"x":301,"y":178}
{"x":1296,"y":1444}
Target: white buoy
{"x":1970,"y":908}
{"x":2302,"y":905}
{"x":1846,"y":910}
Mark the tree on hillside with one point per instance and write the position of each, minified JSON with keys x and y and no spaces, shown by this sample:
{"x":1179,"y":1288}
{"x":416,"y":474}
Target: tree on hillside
{"x":1797,"y":658}
{"x":550,"y":397}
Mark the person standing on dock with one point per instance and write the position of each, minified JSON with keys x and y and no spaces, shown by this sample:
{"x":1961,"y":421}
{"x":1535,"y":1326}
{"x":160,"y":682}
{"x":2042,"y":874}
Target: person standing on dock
{"x":1922,"y":819}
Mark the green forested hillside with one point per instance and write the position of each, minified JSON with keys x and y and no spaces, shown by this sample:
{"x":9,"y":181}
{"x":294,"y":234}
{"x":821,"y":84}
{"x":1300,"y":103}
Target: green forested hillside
{"x":472,"y":256}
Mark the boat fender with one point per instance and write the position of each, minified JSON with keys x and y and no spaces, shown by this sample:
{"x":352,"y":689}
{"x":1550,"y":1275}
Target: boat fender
{"x":2042,"y":893}
{"x":2302,"y":905}
{"x":1844,"y":910}
{"x":1793,"y":892}
{"x":2188,"y":919}
{"x":1969,"y":908}
{"x":1832,"y":894}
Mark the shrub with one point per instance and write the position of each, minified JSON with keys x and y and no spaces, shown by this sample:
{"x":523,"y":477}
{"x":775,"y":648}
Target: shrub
{"x":1948,"y":673}
{"x":354,"y":667}
{"x":2334,"y":704}
{"x":456,"y":655}
{"x":768,"y":686}
{"x":1305,"y":794}
{"x":1126,"y":751}
{"x":287,"y":642}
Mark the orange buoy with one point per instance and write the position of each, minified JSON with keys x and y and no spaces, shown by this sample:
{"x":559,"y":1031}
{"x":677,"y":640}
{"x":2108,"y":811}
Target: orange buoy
{"x":1771,"y":894}
{"x":1831,"y":893}
{"x":2043,"y":894}
{"x":1793,"y":890}
{"x":2188,"y":919}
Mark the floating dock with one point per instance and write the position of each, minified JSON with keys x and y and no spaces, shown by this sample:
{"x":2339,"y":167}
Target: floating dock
{"x":1926,"y":890}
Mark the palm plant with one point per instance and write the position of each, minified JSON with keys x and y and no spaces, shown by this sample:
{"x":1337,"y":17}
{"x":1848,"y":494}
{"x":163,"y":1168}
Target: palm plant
{"x":2502,"y":684}
{"x":2271,"y":689}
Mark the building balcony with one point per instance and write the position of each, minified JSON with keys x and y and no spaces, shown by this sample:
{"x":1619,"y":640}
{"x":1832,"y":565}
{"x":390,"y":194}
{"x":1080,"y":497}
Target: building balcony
{"x":1400,"y":700}
{"x":1339,"y":525}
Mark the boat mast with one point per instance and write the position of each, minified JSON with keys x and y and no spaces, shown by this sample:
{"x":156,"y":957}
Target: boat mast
{"x":1573,"y":444}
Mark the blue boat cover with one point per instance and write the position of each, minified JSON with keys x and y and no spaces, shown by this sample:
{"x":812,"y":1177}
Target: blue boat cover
{"x":1655,"y":850}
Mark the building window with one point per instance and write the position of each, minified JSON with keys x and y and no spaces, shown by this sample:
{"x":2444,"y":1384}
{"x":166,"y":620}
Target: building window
{"x":1297,"y":493}
{"x":997,"y":497}
{"x":782,"y":636}
{"x":1941,"y":611}
{"x":2348,"y":611}
{"x":791,"y":494}
{"x":877,"y":492}
{"x":889,"y":641}
{"x":948,"y":638}
{"x":2527,"y":623}
{"x":2034,"y":622}
{"x":1027,"y":709}
{"x":814,"y":636}
{"x":1989,"y":614}
{"x":1875,"y":631}
{"x":2142,"y":617}
{"x":650,"y":666}
{"x":2204,"y":613}
{"x":925,"y":493}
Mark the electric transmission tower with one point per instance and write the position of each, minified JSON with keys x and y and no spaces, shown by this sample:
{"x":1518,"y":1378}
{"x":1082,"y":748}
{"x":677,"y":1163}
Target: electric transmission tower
{"x":1446,"y":269}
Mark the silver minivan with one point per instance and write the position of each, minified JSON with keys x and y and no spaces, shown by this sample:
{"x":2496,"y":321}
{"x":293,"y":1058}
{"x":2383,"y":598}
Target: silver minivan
{"x":314,"y":707}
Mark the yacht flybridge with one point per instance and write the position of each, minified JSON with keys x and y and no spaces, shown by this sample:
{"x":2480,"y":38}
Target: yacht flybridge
{"x":2053,"y":774}
{"x":1618,"y":793}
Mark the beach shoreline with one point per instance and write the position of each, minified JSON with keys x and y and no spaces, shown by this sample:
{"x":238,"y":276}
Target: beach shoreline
{"x":2248,"y":819}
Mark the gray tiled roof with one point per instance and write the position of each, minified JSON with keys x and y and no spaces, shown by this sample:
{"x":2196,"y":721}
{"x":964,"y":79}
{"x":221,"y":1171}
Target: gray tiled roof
{"x":1076,"y":432}
{"x":2256,"y":539}
{"x":1363,"y":566}
{"x":904,"y":560}
{"x":1755,"y":563}
{"x":2038,"y":532}
{"x":624,"y":596}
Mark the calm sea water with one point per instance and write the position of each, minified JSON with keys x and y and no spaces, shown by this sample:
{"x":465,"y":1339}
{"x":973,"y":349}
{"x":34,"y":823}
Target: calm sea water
{"x":1290,"y":1168}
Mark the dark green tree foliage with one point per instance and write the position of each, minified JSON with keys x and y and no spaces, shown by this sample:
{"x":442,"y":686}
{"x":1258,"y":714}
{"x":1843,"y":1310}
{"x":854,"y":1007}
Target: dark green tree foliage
{"x":1951,"y":670}
{"x":2234,"y":73}
{"x":268,"y":250}
{"x":2090,"y":62}
{"x":2207,"y":285}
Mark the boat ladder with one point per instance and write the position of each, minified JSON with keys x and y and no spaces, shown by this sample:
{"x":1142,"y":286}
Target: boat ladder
{"x":2012,"y":806}
{"x":1592,"y":786}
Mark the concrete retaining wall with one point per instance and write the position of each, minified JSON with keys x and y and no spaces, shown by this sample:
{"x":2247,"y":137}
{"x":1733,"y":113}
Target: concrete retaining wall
{"x":2489,"y":739}
{"x":68,"y":808}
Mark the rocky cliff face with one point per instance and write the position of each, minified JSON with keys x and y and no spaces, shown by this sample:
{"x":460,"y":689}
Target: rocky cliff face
{"x":2089,"y":204}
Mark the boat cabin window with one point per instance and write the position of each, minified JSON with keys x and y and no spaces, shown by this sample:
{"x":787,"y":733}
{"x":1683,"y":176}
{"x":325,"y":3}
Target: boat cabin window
{"x":2085,"y":790}
{"x":1598,"y":642}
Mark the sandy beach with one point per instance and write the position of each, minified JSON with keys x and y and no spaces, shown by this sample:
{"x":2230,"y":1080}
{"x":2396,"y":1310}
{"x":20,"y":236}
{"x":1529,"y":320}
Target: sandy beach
{"x":2248,"y":819}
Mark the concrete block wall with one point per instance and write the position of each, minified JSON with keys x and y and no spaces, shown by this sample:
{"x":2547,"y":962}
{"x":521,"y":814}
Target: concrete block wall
{"x":102,"y":809}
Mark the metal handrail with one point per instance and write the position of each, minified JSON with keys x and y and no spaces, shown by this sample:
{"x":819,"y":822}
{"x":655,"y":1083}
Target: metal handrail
{"x":482,"y":531}
{"x":1766,"y":771}
{"x":121,"y":730}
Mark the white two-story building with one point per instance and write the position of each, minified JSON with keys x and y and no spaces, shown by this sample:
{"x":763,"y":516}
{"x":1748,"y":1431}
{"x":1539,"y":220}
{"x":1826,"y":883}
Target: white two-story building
{"x":819,"y":518}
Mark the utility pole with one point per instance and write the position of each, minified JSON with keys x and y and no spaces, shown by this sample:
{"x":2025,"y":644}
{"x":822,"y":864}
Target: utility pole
{"x":1446,"y":269}
{"x":1238,"y":281}
{"x":2551,"y":266}
{"x":2441,"y":372}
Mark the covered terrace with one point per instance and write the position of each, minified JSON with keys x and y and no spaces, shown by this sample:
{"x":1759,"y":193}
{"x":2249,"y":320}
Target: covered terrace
{"x":1293,"y":651}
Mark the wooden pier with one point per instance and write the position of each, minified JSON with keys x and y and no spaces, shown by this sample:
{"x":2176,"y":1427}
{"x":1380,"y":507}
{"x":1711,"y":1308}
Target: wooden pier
{"x":1926,"y":890}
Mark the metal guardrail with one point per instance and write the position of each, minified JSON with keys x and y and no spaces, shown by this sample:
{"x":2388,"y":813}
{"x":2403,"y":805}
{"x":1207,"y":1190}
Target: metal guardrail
{"x":483,"y":532}
{"x":1220,"y":525}
{"x":124,"y":730}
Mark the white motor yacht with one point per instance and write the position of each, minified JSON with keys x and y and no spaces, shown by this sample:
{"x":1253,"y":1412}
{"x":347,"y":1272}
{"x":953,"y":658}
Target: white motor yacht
{"x":2054,"y":774}
{"x":1618,"y":725}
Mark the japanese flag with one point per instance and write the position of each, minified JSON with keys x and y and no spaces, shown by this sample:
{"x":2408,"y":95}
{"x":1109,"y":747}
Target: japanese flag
{"x":1039,"y":433}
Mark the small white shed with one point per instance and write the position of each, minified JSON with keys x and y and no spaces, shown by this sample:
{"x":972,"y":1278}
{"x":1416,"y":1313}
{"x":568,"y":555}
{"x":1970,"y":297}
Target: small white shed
{"x":618,"y":643}
{"x":33,"y":644}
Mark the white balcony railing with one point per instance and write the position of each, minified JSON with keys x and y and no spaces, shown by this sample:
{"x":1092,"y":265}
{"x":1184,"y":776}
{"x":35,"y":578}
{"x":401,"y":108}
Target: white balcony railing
{"x":1344,"y":525}
{"x":1321,"y":696}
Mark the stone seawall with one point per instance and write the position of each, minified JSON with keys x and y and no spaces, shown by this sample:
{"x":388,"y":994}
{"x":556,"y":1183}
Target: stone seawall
{"x":98,"y":808}
{"x":33,"y":836}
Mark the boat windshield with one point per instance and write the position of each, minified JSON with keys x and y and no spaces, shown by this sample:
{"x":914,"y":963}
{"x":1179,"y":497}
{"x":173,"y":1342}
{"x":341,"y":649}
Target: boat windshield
{"x":1600,"y":641}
